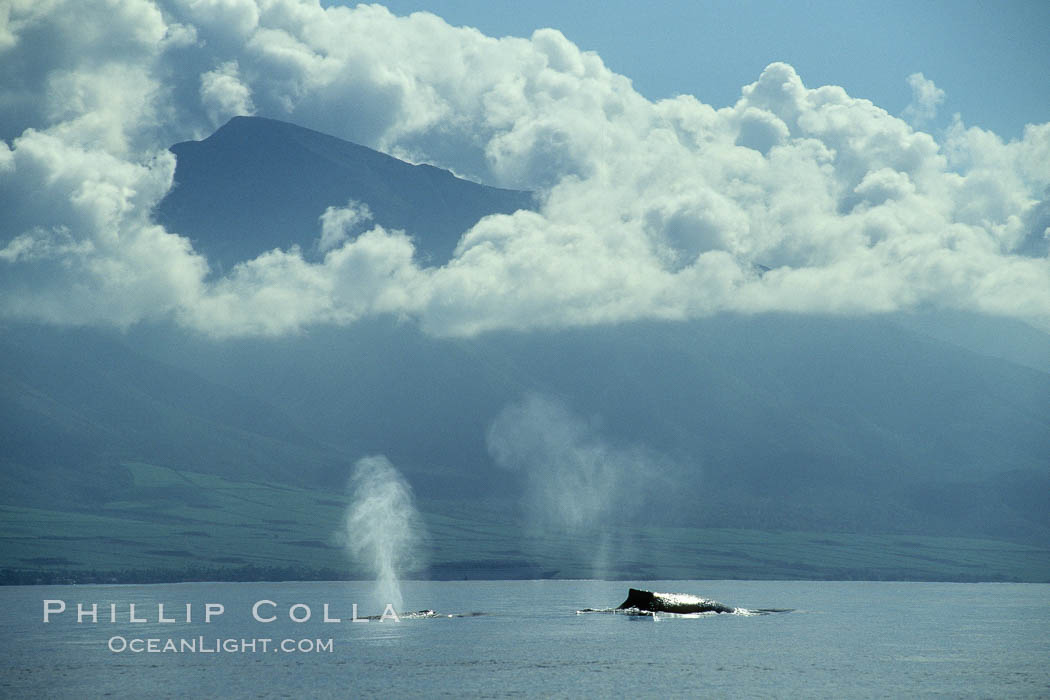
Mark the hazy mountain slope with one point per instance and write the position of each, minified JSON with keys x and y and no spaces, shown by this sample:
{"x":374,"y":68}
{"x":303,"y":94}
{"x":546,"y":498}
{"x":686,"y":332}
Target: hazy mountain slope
{"x":258,"y":184}
{"x":786,"y":422}
{"x":1005,"y":338}
{"x":183,"y":525}
{"x":75,"y":403}
{"x":745,"y":448}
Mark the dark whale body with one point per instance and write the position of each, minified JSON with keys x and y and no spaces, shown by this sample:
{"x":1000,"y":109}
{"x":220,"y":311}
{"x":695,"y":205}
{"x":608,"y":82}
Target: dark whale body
{"x":641,"y":603}
{"x":671,"y":603}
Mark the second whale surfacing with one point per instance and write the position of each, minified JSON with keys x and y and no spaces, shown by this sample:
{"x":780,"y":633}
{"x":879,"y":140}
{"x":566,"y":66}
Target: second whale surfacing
{"x":420,"y":615}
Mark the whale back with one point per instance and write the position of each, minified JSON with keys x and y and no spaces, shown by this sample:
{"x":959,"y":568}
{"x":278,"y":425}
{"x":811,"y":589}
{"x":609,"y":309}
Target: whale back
{"x":671,"y":602}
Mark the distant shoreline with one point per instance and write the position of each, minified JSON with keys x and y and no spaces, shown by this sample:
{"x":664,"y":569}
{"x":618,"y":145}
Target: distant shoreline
{"x":258,"y":574}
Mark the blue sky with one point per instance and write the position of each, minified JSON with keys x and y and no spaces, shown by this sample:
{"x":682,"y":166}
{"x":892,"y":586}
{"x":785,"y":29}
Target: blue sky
{"x":992,"y":59}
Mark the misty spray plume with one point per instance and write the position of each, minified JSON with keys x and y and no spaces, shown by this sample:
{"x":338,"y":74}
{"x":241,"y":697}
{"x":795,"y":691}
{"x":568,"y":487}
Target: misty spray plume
{"x":578,"y":486}
{"x":383,"y":529}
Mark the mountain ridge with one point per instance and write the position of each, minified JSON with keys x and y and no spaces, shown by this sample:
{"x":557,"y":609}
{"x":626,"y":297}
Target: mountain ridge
{"x":257,"y":184}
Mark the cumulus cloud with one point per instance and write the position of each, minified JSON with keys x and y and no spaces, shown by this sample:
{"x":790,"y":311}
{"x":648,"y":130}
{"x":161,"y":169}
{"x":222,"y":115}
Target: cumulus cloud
{"x":223,"y":95}
{"x":84,"y":249}
{"x":925,"y":97}
{"x":338,"y":222}
{"x":792,"y":199}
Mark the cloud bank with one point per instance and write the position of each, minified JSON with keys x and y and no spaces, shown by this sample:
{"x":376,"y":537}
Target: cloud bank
{"x":793,"y":199}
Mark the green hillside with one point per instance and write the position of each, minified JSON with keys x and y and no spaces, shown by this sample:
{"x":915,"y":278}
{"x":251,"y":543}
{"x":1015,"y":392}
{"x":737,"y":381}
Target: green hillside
{"x":180,"y":525}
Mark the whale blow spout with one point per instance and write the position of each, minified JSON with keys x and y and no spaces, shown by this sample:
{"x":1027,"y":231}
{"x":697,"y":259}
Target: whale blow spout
{"x":382,"y":528}
{"x":671,"y":603}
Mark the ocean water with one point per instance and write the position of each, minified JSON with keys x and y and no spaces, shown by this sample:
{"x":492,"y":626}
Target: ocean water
{"x":840,"y":640}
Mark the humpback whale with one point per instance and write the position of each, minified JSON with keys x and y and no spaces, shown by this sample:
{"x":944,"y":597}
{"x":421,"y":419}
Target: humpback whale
{"x":681,"y":603}
{"x":648,"y":603}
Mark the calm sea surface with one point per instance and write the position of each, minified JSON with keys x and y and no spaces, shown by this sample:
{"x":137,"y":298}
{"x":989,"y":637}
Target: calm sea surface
{"x":841,"y":640}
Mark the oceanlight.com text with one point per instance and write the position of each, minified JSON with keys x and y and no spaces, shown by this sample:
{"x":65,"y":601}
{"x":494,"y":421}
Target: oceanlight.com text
{"x":216,"y":645}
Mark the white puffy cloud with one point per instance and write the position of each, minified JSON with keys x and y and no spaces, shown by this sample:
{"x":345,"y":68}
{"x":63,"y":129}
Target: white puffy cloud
{"x":235,"y":19}
{"x":224,"y":96}
{"x":337,"y":223}
{"x":84,"y":249}
{"x":793,"y":199}
{"x":279,"y":292}
{"x":925,"y":97}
